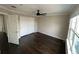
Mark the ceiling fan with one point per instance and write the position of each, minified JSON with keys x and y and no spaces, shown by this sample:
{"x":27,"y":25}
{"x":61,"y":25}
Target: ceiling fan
{"x":40,"y":14}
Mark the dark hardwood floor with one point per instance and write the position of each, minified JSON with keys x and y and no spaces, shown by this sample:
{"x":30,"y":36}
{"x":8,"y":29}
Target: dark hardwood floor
{"x":13,"y":49}
{"x":38,"y":43}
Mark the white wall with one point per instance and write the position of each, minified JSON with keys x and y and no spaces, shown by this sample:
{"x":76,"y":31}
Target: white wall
{"x":75,"y":12}
{"x":27,"y":25}
{"x":55,"y":26}
{"x":36,"y":24}
{"x":1,"y":23}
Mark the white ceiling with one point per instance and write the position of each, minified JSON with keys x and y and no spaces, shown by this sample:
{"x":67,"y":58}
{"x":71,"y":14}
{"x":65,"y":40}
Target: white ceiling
{"x":30,"y":9}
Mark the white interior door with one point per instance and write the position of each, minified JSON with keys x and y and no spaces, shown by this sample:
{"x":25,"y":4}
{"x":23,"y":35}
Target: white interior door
{"x":12,"y":29}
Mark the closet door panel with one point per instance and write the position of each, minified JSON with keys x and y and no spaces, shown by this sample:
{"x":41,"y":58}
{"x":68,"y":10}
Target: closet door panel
{"x":12,"y":29}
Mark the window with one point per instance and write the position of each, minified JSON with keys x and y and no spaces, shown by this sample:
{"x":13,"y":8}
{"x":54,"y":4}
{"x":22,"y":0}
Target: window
{"x":73,"y":23}
{"x":77,"y":25}
{"x":73,"y":35}
{"x":75,"y":47}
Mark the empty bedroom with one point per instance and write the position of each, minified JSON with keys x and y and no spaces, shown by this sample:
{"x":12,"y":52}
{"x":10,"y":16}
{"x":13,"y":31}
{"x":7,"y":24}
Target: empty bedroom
{"x":39,"y":28}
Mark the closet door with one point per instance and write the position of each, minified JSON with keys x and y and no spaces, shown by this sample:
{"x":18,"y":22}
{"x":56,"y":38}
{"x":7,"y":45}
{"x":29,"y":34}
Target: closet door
{"x":12,"y":29}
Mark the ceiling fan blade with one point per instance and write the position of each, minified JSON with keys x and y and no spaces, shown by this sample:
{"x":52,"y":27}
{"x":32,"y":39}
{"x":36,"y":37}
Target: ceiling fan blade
{"x":39,"y":14}
{"x":43,"y":14}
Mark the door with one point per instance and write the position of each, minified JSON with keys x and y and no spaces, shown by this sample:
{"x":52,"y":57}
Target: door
{"x":12,"y":29}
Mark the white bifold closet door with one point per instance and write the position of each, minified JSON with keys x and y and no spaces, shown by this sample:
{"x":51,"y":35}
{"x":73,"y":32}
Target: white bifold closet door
{"x":12,"y":29}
